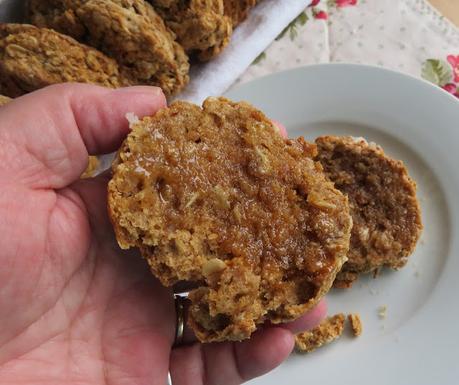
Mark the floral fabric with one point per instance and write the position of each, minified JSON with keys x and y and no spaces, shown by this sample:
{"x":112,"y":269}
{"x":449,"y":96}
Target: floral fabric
{"x":405,"y":35}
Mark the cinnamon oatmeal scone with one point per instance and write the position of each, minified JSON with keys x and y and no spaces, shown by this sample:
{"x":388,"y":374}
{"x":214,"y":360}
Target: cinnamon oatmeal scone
{"x":130,"y":31}
{"x":216,"y":196}
{"x":326,"y":332}
{"x":201,"y":26}
{"x":238,"y":10}
{"x":32,"y":58}
{"x":382,"y":197}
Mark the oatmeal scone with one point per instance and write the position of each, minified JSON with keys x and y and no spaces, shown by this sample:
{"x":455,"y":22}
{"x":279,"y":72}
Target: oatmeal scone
{"x":130,"y":31}
{"x":382,"y":197}
{"x":32,"y":58}
{"x":4,"y":100}
{"x":201,"y":26}
{"x":238,"y":9}
{"x":326,"y":332}
{"x":216,"y":196}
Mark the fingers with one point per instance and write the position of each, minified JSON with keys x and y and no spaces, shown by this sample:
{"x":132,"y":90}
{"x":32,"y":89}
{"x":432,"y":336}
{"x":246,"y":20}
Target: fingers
{"x":307,"y":321}
{"x":266,"y":350}
{"x":51,"y":131}
{"x":93,"y":194}
{"x":231,"y":362}
{"x":100,"y":114}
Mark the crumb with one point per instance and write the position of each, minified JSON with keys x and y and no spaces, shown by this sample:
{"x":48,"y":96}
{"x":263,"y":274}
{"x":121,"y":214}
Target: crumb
{"x":373,"y":291}
{"x":132,"y":119}
{"x":356,"y":324}
{"x":93,"y":164}
{"x":382,"y":311}
{"x":327,"y":331}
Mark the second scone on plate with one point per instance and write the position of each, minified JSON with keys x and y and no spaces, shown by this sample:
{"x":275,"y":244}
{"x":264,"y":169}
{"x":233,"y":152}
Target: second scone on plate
{"x":216,"y":196}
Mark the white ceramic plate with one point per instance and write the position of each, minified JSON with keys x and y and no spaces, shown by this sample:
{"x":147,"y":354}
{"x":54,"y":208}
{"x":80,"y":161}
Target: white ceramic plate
{"x":418,"y":341}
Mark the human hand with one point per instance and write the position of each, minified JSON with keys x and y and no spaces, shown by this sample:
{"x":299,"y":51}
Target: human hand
{"x":74,"y":308}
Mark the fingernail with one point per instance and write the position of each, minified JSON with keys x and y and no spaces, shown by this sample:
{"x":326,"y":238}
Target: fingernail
{"x":154,"y":91}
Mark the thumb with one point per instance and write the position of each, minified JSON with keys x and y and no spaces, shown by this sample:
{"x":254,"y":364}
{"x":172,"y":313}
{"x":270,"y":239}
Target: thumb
{"x":51,"y":131}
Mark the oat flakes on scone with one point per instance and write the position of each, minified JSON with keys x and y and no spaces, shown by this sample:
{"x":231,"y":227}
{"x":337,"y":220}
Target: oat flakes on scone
{"x":32,"y":58}
{"x":216,"y":196}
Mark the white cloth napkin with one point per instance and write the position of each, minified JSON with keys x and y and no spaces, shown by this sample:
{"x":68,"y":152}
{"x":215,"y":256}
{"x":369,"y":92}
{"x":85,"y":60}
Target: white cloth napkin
{"x":265,"y":22}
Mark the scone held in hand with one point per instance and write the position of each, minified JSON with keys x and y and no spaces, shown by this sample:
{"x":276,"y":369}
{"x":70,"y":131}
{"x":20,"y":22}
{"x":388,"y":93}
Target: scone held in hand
{"x":216,"y":196}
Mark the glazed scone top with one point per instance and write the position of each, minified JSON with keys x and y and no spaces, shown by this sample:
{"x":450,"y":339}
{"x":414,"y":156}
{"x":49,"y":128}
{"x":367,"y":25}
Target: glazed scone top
{"x":217,"y":196}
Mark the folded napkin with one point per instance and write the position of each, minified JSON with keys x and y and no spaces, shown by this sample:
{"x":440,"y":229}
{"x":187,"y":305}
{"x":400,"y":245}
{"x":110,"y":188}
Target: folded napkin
{"x":265,"y":22}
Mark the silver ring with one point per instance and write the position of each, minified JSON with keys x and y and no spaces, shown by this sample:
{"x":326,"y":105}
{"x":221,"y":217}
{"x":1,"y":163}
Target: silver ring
{"x":180,"y":308}
{"x":180,"y":311}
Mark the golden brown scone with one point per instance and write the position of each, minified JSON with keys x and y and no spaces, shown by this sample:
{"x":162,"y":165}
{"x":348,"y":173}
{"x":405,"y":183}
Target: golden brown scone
{"x":385,"y":212}
{"x":216,"y":196}
{"x":32,"y":58}
{"x":93,"y":164}
{"x":129,"y":31}
{"x":59,"y":15}
{"x":238,"y":9}
{"x":356,"y":324}
{"x":4,"y":100}
{"x":201,"y":26}
{"x":327,"y":331}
